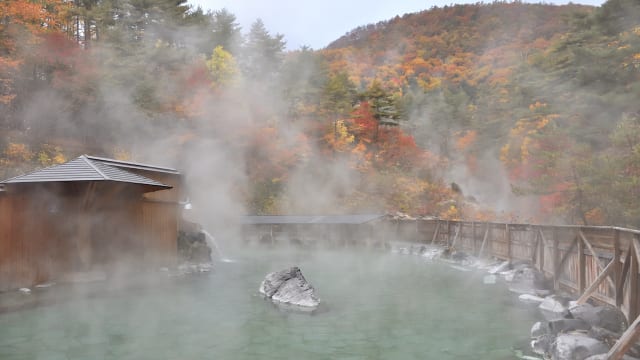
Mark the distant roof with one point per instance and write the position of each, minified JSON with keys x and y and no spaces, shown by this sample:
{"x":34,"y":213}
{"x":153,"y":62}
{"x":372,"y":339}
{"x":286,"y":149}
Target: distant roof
{"x":84,"y":168}
{"x":133,"y":165}
{"x":320,"y":219}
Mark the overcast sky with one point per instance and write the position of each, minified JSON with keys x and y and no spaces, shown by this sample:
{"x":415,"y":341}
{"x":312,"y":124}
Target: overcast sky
{"x":316,"y":23}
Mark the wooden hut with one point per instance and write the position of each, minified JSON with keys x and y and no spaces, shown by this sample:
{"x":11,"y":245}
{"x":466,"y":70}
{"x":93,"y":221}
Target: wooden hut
{"x":89,"y":215}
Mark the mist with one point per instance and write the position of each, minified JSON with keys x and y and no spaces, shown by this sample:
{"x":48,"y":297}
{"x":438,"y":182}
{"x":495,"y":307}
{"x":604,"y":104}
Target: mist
{"x":457,"y":113}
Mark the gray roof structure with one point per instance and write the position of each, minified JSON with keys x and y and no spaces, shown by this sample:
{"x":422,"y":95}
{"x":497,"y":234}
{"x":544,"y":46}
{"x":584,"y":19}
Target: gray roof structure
{"x":133,"y":165}
{"x":300,"y":220}
{"x":85,"y":168}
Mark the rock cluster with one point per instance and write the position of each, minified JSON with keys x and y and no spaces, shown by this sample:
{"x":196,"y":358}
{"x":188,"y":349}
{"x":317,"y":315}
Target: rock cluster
{"x":289,"y":287}
{"x":569,"y":331}
{"x":193,"y":247}
{"x":576,"y":332}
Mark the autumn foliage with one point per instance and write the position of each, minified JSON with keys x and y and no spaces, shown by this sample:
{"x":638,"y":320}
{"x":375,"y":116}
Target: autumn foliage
{"x":512,"y":100}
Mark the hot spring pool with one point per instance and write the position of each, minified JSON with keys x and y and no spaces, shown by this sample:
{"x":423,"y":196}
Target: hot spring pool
{"x":379,"y":306}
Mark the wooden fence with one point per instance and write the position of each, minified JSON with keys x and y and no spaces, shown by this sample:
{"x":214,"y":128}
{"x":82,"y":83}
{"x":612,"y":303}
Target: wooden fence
{"x":590,"y":262}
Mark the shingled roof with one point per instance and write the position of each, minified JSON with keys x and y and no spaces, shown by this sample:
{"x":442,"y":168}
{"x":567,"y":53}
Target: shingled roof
{"x":133,"y":165}
{"x":86,"y":168}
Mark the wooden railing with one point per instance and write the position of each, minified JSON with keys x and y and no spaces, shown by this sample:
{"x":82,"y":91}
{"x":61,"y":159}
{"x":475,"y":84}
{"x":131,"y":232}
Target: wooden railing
{"x":590,"y":262}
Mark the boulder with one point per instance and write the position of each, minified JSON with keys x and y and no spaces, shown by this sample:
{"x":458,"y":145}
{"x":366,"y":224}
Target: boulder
{"x":576,"y":346}
{"x":459,"y":255}
{"x":606,"y":317}
{"x":555,"y":327}
{"x":604,"y":335}
{"x":604,"y":357}
{"x":508,"y":275}
{"x":555,"y":307}
{"x":432,"y":253}
{"x":543,"y":333}
{"x":542,"y":344}
{"x":504,"y":266}
{"x":530,"y":299}
{"x":538,"y":329}
{"x":526,"y":279}
{"x":193,"y":248}
{"x":289,"y":287}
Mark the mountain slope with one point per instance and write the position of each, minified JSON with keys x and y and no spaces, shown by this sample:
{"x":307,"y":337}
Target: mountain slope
{"x":520,"y":98}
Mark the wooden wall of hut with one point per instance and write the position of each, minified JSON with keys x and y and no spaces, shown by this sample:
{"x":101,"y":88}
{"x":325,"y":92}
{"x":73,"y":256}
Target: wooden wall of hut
{"x":159,"y":227}
{"x":27,"y":252}
{"x":46,"y":233}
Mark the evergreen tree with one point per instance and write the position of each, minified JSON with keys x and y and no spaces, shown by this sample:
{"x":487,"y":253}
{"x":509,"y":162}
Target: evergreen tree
{"x":262,"y":54}
{"x":225,"y":31}
{"x":304,"y":74}
{"x":386,"y":109}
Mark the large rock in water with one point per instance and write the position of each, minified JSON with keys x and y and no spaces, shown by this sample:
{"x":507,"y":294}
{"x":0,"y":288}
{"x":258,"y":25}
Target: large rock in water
{"x":604,"y":357}
{"x":193,"y":248}
{"x":606,"y":316}
{"x":555,"y":307}
{"x":289,"y":287}
{"x":576,"y":347}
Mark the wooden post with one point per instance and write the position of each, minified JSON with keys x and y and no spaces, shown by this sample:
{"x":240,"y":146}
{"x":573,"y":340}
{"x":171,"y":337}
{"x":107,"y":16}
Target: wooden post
{"x":616,"y":267}
{"x":473,"y":237}
{"x":594,"y":286}
{"x":435,"y":232}
{"x":507,"y":236}
{"x":484,"y":240}
{"x":625,"y":342}
{"x":581,"y":267}
{"x":542,"y":248}
{"x":636,"y":246}
{"x":397,"y":229}
{"x":448,"y":232}
{"x":556,"y":260}
{"x":566,"y":256}
{"x":455,"y":237}
{"x":633,"y":286}
{"x":594,"y":255}
{"x":623,"y":278}
{"x":534,"y":249}
{"x":564,"y":260}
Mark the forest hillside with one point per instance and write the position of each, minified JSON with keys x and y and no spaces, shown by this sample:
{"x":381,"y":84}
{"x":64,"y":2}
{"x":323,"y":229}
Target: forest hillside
{"x":507,"y":110}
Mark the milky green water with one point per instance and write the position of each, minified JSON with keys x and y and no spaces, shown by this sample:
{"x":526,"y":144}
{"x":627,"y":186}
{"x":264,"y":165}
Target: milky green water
{"x":378,"y":306}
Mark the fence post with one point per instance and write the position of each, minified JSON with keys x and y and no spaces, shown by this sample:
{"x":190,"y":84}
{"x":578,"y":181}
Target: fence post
{"x":534,"y":245}
{"x":625,"y":342}
{"x":542,"y":249}
{"x":633,"y":282}
{"x":616,"y":265}
{"x":473,"y":237}
{"x":435,"y":232}
{"x":581,"y":267}
{"x":484,"y":239}
{"x":556,"y":259}
{"x":507,"y":235}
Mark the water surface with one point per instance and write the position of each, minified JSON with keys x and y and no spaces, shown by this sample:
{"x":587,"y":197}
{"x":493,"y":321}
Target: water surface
{"x":378,"y":306}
